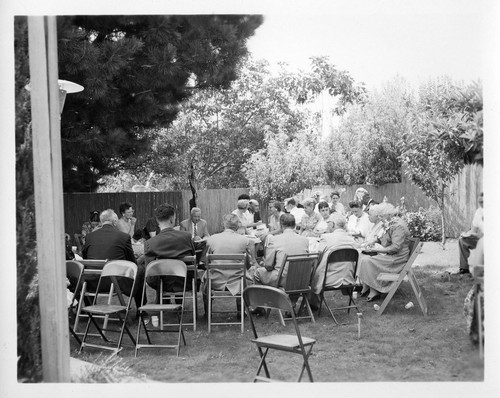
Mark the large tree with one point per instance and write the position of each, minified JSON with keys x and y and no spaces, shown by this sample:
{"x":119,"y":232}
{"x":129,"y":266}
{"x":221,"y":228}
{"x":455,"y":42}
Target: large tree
{"x":366,"y":146}
{"x":446,"y":133}
{"x":136,"y":70}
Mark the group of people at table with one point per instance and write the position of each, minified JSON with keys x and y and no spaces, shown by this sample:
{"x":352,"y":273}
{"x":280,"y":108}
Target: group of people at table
{"x":314,"y":225}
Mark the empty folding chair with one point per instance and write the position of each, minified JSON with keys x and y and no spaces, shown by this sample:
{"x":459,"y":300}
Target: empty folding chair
{"x":340,"y":274}
{"x":272,"y":298}
{"x":113,"y":271}
{"x":92,"y":270}
{"x":163,"y":269}
{"x":299,"y":269}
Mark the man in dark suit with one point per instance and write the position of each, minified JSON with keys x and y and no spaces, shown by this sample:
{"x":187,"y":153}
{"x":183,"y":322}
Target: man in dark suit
{"x":107,"y":243}
{"x":197,"y":227}
{"x":170,"y":244}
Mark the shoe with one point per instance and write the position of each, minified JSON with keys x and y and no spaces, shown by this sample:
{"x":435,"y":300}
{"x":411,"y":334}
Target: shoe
{"x":376,"y":297}
{"x":358,"y":288}
{"x":463,"y":271}
{"x":146,"y":318}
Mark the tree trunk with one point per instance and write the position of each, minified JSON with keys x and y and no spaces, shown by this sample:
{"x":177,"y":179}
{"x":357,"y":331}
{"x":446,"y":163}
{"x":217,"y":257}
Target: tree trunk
{"x":192,"y":185}
{"x":441,"y":207}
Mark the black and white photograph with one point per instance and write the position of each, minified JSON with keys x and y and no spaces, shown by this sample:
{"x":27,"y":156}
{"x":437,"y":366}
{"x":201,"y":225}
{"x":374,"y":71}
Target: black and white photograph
{"x":224,"y":192}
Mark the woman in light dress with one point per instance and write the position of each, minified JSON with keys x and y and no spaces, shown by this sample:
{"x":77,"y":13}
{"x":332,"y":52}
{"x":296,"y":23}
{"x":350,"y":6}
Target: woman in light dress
{"x":310,"y":219}
{"x":391,"y":252}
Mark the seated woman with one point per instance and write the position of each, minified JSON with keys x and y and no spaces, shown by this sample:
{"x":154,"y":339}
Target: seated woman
{"x":87,"y":228}
{"x":310,"y":219}
{"x":274,"y":218}
{"x":376,"y":231}
{"x":242,"y":214}
{"x":325,"y":225}
{"x":391,"y":253}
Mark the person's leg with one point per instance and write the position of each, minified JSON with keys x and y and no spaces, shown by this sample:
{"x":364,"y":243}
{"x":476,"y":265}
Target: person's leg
{"x":465,"y":245}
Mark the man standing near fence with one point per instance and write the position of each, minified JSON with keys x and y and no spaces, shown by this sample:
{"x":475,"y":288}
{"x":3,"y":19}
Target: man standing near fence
{"x":468,"y":240}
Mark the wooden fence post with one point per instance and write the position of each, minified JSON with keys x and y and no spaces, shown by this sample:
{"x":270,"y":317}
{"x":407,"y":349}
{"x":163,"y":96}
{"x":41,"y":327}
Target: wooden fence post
{"x":47,"y":165}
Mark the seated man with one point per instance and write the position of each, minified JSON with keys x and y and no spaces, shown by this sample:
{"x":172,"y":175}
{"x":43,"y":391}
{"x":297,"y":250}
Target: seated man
{"x":107,"y":243}
{"x":338,"y":239}
{"x":226,"y":242}
{"x":287,"y":243}
{"x":468,"y":240}
{"x":170,"y":244}
{"x":197,"y":227}
{"x":358,"y":224}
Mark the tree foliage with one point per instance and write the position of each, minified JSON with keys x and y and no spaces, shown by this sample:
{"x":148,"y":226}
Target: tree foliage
{"x":217,"y":130}
{"x":285,"y":166}
{"x":136,"y":70}
{"x":365,"y":148}
{"x":446,"y":131}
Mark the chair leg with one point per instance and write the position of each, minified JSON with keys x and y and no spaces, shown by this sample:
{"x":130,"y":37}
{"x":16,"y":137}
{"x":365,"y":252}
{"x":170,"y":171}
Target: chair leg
{"x":262,"y":364}
{"x":281,"y":318}
{"x":305,"y":364}
{"x":195,"y":302}
{"x":331,"y":312}
{"x":209,"y":304}
{"x":304,"y":298}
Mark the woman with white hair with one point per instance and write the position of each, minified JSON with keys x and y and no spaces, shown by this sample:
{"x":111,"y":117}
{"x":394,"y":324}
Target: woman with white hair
{"x":388,"y":254}
{"x":310,"y":219}
{"x":242,"y":214}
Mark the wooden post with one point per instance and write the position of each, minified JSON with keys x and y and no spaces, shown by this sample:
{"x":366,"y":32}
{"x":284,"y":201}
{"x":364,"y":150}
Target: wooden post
{"x":49,"y":207}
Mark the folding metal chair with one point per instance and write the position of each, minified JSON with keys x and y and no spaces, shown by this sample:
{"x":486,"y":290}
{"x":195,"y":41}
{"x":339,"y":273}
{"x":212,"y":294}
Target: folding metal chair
{"x":74,"y":273}
{"x":348,"y":258}
{"x":272,"y":298}
{"x":92,"y":268}
{"x":191,"y":293}
{"x":300,"y":269}
{"x":225,"y":262}
{"x":405,"y":274}
{"x":163,"y":269}
{"x":113,"y":270}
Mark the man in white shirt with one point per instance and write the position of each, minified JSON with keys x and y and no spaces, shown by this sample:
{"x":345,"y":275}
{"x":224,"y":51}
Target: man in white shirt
{"x":291,"y":207}
{"x":358,"y":224}
{"x":468,"y":240}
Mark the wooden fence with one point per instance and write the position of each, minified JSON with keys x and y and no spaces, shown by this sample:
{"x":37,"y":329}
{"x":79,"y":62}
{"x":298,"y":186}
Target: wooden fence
{"x":214,"y":203}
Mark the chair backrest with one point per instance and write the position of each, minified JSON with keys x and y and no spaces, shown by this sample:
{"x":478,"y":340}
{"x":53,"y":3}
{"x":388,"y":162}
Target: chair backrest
{"x":166,"y":267}
{"x":93,"y":264}
{"x":123,"y":268}
{"x":343,"y":255}
{"x":415,"y":247}
{"x":74,"y":269}
{"x":413,"y":244}
{"x":74,"y":273}
{"x":226,"y":261}
{"x":299,"y":271}
{"x":268,"y":297}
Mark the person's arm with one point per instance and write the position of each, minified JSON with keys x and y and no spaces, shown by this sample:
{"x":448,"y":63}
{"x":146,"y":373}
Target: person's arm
{"x":270,"y":259}
{"x":398,"y":236}
{"x":129,"y":252}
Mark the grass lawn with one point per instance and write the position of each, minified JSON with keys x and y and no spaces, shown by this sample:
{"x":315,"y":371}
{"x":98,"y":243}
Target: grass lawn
{"x":400,"y":345}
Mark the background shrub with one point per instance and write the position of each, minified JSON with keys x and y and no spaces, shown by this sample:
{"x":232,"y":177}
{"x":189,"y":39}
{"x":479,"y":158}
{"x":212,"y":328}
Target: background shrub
{"x":424,"y":224}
